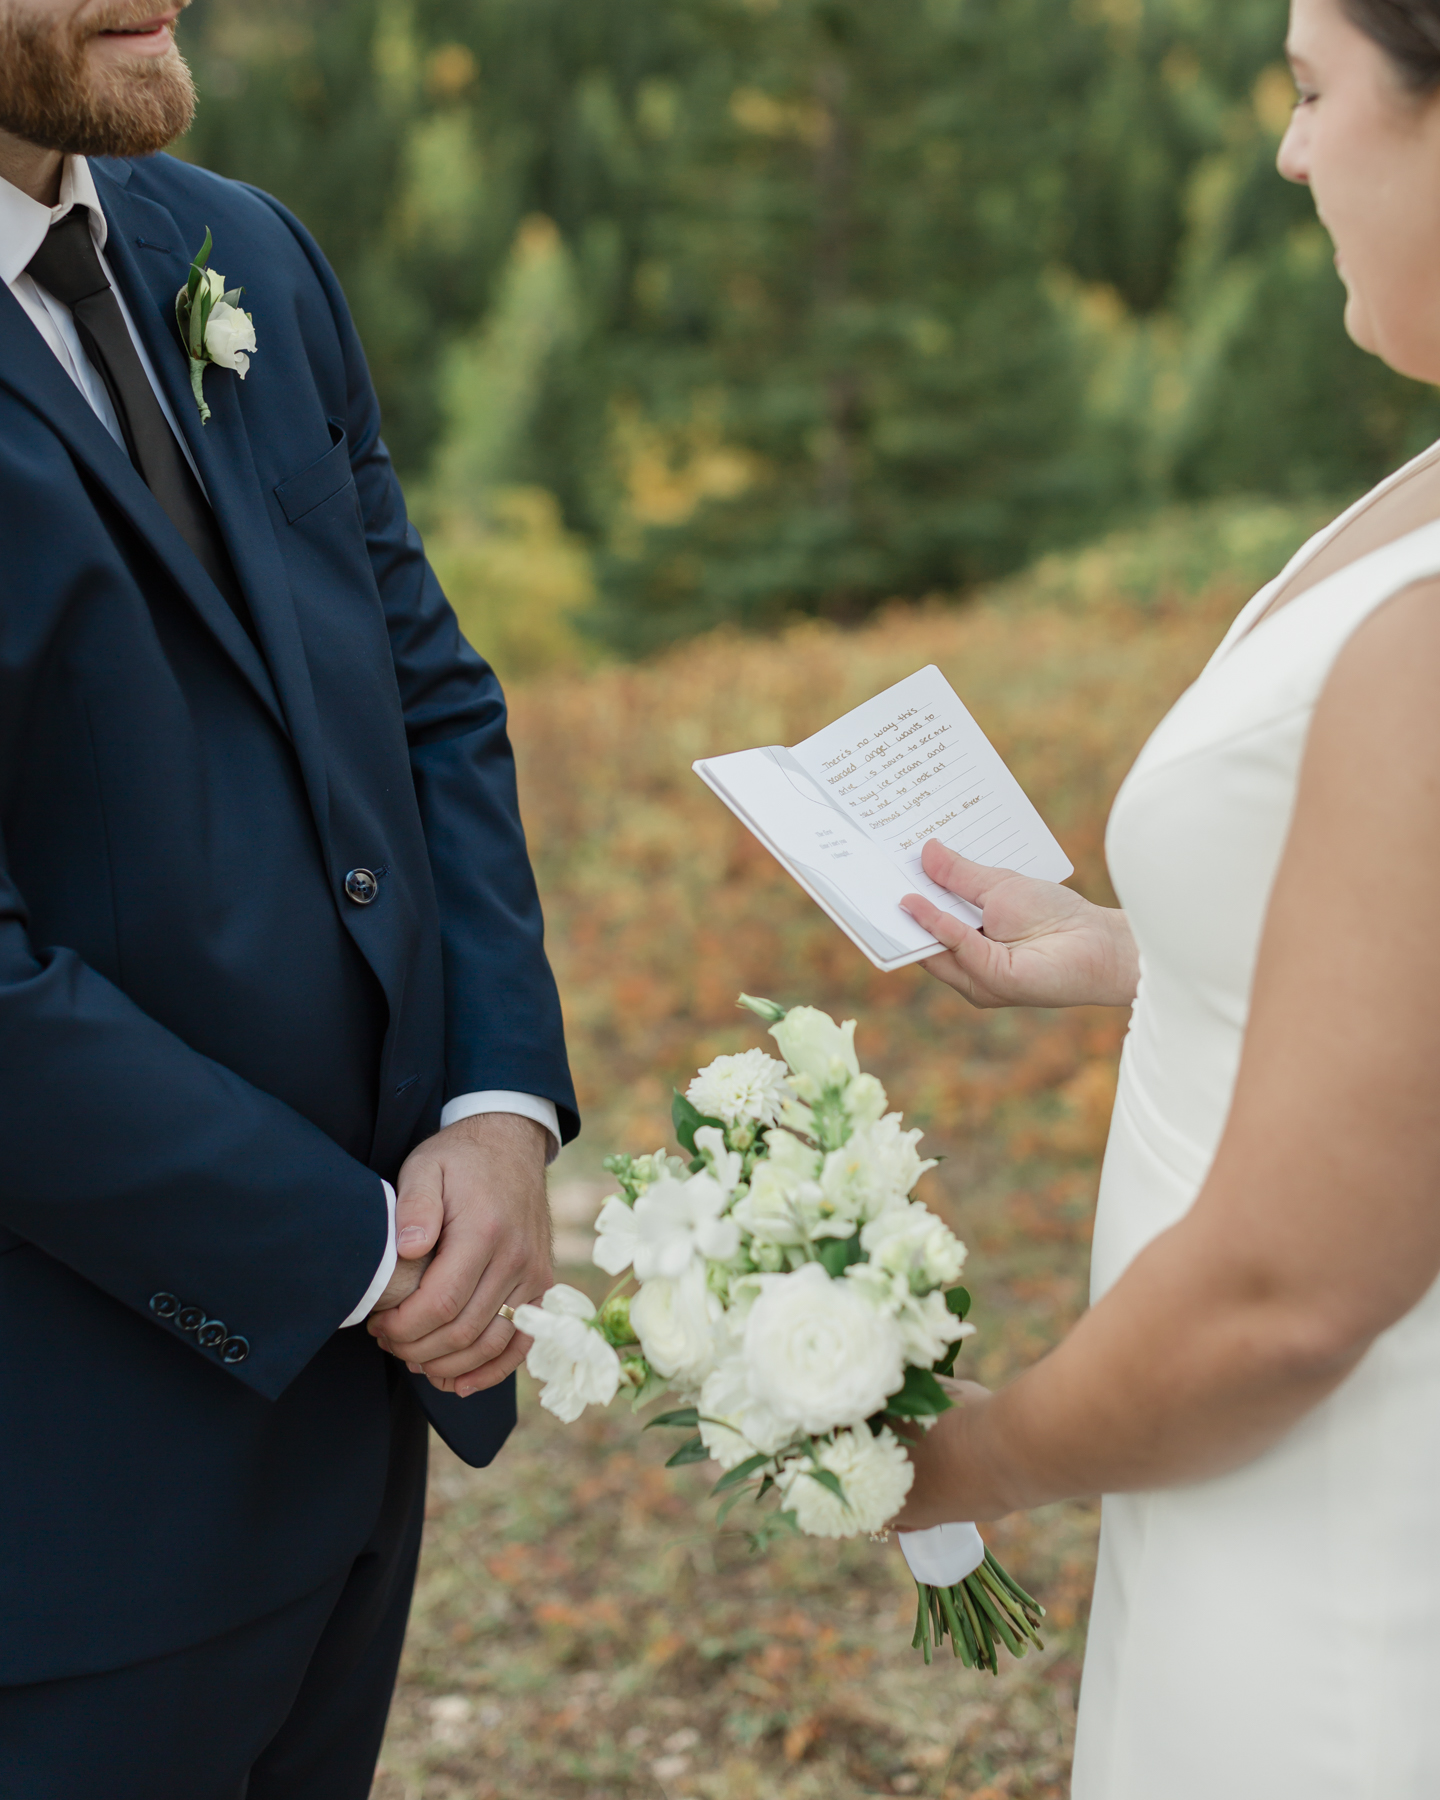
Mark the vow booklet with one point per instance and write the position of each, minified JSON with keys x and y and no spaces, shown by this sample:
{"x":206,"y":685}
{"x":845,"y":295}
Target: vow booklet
{"x":848,"y":812}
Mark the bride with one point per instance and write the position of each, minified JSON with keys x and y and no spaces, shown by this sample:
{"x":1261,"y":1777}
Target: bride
{"x":1256,"y":1388}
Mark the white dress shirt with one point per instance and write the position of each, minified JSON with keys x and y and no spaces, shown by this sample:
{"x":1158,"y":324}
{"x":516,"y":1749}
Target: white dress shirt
{"x":23,"y":225}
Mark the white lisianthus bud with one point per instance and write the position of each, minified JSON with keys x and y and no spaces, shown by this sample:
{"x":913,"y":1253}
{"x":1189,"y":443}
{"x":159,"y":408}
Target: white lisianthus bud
{"x":865,"y":1100}
{"x":912,"y":1242}
{"x":749,"y":1086}
{"x":229,"y":335}
{"x":874,"y":1472}
{"x":817,"y":1354}
{"x":733,"y":1424}
{"x":569,"y":1356}
{"x":815,"y":1046}
{"x":873,"y":1171}
{"x":679,"y":1326}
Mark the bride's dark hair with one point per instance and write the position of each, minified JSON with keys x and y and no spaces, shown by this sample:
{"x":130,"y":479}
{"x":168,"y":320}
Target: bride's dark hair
{"x":1408,"y":31}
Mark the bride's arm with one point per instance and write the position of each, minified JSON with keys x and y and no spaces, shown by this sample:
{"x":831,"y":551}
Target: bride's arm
{"x":1319,"y":1225}
{"x":1042,"y":944}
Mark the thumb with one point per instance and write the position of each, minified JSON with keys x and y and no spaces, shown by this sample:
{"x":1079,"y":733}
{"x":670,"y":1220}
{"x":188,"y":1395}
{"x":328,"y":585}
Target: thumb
{"x":419,"y":1211}
{"x":972,"y":881}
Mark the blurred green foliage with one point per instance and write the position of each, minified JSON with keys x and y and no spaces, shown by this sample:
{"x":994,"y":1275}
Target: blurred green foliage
{"x":733,"y":309}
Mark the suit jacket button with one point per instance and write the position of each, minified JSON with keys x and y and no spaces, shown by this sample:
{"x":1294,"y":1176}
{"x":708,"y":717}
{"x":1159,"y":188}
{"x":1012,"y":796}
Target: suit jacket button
{"x":164,"y":1306}
{"x":190,"y":1318}
{"x":361,"y":886}
{"x":235,"y":1350}
{"x":211,"y":1335}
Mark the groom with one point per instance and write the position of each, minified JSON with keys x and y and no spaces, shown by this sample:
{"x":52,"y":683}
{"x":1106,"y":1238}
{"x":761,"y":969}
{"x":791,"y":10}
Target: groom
{"x":269,"y":942}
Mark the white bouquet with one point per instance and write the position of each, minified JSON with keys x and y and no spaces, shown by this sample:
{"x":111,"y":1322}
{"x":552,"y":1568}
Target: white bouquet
{"x":794,"y":1295}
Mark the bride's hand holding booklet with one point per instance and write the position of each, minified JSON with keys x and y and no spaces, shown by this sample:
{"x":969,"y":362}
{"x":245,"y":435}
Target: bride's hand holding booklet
{"x":848,"y":812}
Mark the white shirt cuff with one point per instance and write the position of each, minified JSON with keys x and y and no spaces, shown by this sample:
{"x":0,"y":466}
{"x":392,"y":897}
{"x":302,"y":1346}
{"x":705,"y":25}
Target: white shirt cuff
{"x":501,"y":1100}
{"x":387,"y":1264}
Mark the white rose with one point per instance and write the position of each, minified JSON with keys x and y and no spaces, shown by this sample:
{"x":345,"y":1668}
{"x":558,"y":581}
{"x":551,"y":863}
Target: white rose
{"x":814,"y":1045}
{"x":874,"y":1472}
{"x":927,"y":1325}
{"x":229,"y":336}
{"x":678,"y":1324}
{"x":912,"y":1242}
{"x":749,"y":1086}
{"x":733,"y":1424}
{"x":671,"y":1224}
{"x":873,"y":1171}
{"x":576,"y":1365}
{"x":818,"y":1356}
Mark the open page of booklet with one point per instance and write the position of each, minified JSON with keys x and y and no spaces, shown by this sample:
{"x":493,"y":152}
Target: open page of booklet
{"x":848,"y":811}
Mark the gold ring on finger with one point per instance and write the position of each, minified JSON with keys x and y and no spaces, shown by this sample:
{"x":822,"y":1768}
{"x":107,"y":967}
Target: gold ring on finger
{"x":507,"y":1313}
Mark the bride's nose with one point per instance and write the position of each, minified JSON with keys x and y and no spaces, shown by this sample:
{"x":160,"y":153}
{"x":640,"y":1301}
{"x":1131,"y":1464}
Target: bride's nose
{"x":1293,"y":157}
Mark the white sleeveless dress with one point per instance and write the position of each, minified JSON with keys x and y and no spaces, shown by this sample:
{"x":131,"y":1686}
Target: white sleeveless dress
{"x":1273,"y":1634}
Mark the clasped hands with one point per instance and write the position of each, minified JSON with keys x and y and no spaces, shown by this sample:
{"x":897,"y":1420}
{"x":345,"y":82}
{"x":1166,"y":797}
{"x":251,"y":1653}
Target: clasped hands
{"x":472,"y":1231}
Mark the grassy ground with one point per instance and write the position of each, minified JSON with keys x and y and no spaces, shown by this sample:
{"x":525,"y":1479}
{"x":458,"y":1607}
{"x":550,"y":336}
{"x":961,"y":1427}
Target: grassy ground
{"x":580,"y":1630}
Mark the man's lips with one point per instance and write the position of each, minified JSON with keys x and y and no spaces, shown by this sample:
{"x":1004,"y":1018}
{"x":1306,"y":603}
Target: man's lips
{"x":143,"y":28}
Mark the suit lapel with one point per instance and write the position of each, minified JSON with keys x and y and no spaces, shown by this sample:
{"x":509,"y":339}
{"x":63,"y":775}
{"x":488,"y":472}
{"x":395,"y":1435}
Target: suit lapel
{"x":150,"y":253}
{"x":30,"y":369}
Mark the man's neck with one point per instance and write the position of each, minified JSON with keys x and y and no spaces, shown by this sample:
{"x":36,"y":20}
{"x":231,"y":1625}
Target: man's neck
{"x":34,"y":171}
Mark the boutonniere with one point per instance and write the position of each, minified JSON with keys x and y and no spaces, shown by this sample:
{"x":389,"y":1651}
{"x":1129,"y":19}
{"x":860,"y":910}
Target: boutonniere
{"x":212,"y":325}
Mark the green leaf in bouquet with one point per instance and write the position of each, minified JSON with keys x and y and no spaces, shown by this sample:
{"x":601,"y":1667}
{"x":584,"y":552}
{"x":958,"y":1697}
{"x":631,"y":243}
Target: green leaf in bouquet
{"x":946,"y":1364}
{"x":688,"y":1119}
{"x":778,"y":1525}
{"x":835,"y":1255}
{"x":650,"y":1389}
{"x":691,"y":1451}
{"x":920,"y":1398}
{"x":730,"y":1502}
{"x":741,"y":1472}
{"x":958,"y":1301}
{"x":829,"y":1479}
{"x":683,"y":1418}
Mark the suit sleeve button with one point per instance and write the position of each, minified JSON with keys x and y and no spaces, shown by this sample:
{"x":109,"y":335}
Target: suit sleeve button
{"x":211,"y":1335}
{"x":235,"y":1350}
{"x":164,"y":1306}
{"x":190,"y":1318}
{"x":361,"y":885}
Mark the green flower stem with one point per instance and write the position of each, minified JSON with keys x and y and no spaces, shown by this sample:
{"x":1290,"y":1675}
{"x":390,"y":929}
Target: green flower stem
{"x":1003,"y":1574}
{"x":952,"y":1619}
{"x":197,"y":376}
{"x":919,"y":1617}
{"x":985,"y":1657}
{"x":996,"y":1618}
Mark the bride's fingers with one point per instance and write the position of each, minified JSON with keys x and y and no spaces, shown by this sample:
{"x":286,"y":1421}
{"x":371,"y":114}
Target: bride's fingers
{"x":970,"y":880}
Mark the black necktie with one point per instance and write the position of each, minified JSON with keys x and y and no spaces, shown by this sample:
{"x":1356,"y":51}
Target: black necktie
{"x":68,"y":265}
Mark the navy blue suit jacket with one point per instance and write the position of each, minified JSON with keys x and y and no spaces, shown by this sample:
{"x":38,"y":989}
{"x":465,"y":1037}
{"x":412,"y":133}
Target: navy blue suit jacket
{"x":208,"y":1054}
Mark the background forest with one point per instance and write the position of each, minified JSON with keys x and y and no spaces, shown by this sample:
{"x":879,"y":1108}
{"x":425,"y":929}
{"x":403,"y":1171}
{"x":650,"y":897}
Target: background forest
{"x":685,"y":311}
{"x":741,"y":357}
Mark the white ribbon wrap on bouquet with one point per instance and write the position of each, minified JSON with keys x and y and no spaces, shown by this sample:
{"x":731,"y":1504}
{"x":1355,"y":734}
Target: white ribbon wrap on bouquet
{"x":944,"y":1554}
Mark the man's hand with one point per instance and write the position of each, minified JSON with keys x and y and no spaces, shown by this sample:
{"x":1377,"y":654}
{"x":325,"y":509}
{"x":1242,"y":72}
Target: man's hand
{"x":474,"y":1194}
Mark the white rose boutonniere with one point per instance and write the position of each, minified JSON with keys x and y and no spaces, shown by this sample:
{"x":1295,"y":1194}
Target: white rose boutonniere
{"x":212,"y":324}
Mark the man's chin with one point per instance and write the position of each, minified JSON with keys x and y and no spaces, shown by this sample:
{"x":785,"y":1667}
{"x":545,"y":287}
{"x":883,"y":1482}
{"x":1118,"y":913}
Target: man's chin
{"x":99,"y":99}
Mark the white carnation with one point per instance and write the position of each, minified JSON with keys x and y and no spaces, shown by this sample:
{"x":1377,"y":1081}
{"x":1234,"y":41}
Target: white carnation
{"x":874,"y":1472}
{"x":679,"y":1325}
{"x":569,"y":1356}
{"x":733,"y":1424}
{"x":670,"y":1225}
{"x":229,"y":335}
{"x":874,"y":1170}
{"x":751,"y":1086}
{"x":912,"y":1242}
{"x":817,"y":1354}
